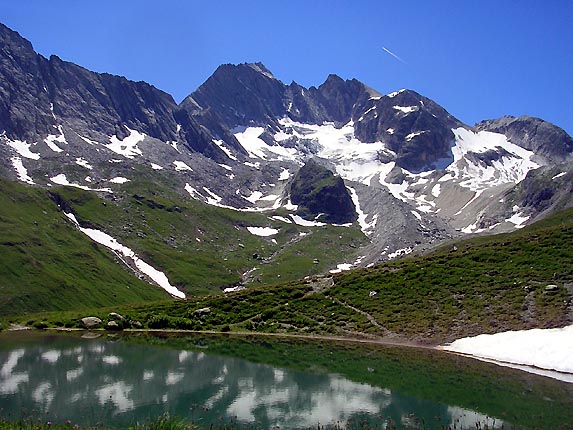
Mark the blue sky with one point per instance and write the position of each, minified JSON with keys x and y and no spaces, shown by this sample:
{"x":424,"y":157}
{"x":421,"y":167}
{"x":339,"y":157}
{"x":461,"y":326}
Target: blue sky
{"x":478,"y":59}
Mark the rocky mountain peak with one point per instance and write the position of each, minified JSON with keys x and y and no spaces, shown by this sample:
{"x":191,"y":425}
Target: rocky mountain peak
{"x":241,"y":94}
{"x":414,"y":127}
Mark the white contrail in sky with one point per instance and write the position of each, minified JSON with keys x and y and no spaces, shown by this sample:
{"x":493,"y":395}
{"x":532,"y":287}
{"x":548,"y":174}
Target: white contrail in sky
{"x":393,"y":55}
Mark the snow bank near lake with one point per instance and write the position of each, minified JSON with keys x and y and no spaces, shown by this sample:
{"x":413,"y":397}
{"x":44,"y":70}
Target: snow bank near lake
{"x":549,"y":349}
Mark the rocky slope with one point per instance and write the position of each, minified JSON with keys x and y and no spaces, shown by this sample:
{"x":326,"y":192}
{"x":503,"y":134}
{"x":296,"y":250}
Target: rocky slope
{"x":406,"y":172}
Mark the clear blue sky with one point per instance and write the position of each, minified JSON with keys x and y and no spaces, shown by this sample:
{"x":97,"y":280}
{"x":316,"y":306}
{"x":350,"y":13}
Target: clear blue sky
{"x":478,"y":59}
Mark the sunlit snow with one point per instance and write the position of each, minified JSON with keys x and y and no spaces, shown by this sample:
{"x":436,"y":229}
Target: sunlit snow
{"x":341,"y":267}
{"x":180,"y":166}
{"x":285,"y":174}
{"x":81,"y":162}
{"x":23,"y":149}
{"x":507,"y":169}
{"x":281,"y":218}
{"x":61,"y":179}
{"x":21,"y":170}
{"x":406,"y":109}
{"x":106,"y":240}
{"x":127,"y":146}
{"x":119,"y":180}
{"x":51,"y":140}
{"x":365,"y":226}
{"x":550,"y":349}
{"x":305,"y":223}
{"x":262,"y":231}
{"x":400,"y":253}
{"x":226,"y":150}
{"x":249,"y":138}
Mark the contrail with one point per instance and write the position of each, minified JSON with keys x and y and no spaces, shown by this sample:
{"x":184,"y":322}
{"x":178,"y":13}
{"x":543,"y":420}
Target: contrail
{"x":393,"y":55}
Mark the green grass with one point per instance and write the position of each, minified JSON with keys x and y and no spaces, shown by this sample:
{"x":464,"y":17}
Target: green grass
{"x":48,"y":265}
{"x":483,"y":285}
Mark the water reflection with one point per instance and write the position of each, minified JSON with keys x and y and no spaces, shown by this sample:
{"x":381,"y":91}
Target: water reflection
{"x":92,"y":380}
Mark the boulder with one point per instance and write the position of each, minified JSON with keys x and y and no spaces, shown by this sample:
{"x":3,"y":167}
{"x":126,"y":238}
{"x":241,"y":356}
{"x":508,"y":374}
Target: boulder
{"x":112,"y":325}
{"x":91,"y":322}
{"x":116,"y":316}
{"x":201,"y":312}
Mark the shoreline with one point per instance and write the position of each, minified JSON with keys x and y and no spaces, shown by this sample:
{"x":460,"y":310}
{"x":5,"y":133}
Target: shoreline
{"x":380,"y":341}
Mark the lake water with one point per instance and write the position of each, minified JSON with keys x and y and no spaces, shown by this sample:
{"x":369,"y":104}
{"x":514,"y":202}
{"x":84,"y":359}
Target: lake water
{"x":264,"y":383}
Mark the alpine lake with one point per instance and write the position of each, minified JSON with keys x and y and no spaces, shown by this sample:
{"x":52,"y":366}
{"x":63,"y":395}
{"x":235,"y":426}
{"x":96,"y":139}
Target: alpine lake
{"x":113,"y":380}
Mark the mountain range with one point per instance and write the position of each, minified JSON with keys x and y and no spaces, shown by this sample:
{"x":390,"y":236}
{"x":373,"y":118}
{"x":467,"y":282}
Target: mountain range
{"x":249,"y":179}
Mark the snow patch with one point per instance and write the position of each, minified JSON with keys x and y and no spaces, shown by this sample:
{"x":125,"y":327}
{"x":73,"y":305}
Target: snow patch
{"x":262,"y":231}
{"x":413,"y":135}
{"x":119,"y":180}
{"x":127,"y":146}
{"x":305,"y":223}
{"x":51,"y":140}
{"x":549,"y":349}
{"x":285,"y":174}
{"x":156,"y":166}
{"x":400,"y":253}
{"x":61,"y":179}
{"x":81,"y":162}
{"x":250,"y":140}
{"x":559,"y":175}
{"x":366,"y":227}
{"x":395,"y":93}
{"x":23,"y":149}
{"x":223,"y":148}
{"x":341,"y":267}
{"x":109,"y":242}
{"x":180,"y":166}
{"x":21,"y":170}
{"x":406,"y":109}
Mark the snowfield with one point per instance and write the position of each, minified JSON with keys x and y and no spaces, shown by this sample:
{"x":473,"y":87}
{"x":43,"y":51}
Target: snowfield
{"x":543,"y":351}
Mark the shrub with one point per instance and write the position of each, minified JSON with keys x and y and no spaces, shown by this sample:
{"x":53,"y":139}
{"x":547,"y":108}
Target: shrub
{"x":158,"y":321}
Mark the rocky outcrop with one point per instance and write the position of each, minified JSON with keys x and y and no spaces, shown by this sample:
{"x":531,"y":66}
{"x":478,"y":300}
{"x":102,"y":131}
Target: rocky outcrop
{"x":415,"y":128}
{"x":321,"y":195}
{"x":543,"y":138}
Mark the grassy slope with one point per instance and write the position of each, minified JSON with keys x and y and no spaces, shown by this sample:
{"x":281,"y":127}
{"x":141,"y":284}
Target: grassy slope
{"x":48,"y":265}
{"x":486,"y":284}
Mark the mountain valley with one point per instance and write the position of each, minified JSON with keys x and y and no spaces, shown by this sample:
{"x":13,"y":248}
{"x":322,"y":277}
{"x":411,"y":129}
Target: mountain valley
{"x":247,"y":181}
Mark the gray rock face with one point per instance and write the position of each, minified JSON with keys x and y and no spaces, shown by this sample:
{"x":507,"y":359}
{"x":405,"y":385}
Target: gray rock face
{"x":321,"y":195}
{"x":414,"y":127}
{"x":541,"y":137}
{"x":37,"y":95}
{"x":91,"y":322}
{"x":248,"y":94}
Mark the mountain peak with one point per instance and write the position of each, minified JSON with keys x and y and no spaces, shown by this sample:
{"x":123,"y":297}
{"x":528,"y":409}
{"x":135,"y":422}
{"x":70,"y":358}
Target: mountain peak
{"x":260,"y":68}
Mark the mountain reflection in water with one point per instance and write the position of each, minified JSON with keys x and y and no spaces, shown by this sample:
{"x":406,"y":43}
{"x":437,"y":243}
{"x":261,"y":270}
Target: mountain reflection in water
{"x":93,"y":380}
